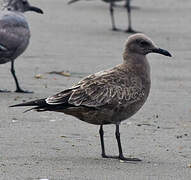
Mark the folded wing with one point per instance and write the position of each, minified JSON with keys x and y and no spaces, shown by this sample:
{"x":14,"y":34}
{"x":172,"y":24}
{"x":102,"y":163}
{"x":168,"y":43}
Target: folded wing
{"x":14,"y":33}
{"x":101,"y":89}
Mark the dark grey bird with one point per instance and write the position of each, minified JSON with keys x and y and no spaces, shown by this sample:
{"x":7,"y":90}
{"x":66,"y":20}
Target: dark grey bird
{"x":110,"y":96}
{"x":111,"y":9}
{"x":14,"y":33}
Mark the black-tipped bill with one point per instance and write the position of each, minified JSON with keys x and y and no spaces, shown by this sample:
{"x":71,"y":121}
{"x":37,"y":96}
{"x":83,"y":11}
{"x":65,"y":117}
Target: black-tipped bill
{"x":35,"y":9}
{"x":161,"y":51}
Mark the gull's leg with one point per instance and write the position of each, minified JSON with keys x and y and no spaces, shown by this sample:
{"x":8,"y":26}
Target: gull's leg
{"x":101,"y":132}
{"x":18,"y":89}
{"x":128,"y":7}
{"x":132,"y":7}
{"x":117,"y":134}
{"x":112,"y":15}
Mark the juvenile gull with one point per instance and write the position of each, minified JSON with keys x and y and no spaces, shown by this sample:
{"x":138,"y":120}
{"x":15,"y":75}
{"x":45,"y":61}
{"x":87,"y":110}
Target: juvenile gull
{"x":14,"y":32}
{"x":111,"y":9}
{"x":110,"y":96}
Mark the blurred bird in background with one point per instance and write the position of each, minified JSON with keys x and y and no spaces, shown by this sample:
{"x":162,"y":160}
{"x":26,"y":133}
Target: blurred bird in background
{"x":14,"y":33}
{"x":111,"y":9}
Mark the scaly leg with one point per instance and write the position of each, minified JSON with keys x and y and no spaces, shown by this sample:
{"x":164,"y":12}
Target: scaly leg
{"x":121,"y":157}
{"x":112,"y":15}
{"x":128,"y":6}
{"x":101,"y":132}
{"x":18,"y":89}
{"x":117,"y":134}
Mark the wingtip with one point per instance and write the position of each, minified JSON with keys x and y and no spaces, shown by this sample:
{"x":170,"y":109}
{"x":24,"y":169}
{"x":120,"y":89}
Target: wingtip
{"x":39,"y":102}
{"x":17,"y":105}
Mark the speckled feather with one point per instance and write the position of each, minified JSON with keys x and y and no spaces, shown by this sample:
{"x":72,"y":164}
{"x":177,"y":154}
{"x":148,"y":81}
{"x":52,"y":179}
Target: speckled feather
{"x":104,"y":88}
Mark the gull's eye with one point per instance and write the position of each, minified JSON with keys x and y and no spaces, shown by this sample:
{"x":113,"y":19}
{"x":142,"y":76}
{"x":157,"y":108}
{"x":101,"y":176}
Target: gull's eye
{"x":144,"y":43}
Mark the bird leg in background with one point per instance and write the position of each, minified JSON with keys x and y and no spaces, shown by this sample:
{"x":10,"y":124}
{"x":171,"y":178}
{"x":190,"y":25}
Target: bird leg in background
{"x":112,"y":16}
{"x":18,"y":89}
{"x":132,"y":7}
{"x":128,"y":6}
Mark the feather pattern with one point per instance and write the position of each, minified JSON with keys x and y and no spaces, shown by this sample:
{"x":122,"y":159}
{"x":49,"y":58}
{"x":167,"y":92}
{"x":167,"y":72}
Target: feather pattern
{"x":103,"y":88}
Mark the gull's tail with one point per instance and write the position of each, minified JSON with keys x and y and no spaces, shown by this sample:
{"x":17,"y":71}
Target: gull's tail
{"x":40,"y":104}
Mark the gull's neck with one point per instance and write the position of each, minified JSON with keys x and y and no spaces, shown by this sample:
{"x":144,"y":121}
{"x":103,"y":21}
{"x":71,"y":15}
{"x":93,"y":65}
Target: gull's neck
{"x":138,"y":63}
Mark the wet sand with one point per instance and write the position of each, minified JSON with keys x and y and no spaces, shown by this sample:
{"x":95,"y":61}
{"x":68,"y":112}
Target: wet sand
{"x":78,"y":39}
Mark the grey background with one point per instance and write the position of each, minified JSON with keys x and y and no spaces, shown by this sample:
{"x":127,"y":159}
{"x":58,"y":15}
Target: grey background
{"x":78,"y":39}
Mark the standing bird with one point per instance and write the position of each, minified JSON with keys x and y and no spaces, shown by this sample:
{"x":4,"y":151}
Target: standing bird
{"x":14,"y":33}
{"x":111,"y":9}
{"x":110,"y":96}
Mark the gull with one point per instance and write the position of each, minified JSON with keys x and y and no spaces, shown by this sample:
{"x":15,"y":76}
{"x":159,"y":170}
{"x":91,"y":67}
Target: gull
{"x":14,"y":33}
{"x":110,"y":96}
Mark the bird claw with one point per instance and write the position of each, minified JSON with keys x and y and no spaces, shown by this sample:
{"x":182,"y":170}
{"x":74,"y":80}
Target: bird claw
{"x":129,"y":159}
{"x":130,"y":30}
{"x":17,"y":91}
{"x":4,"y":91}
{"x":122,"y":158}
{"x":23,"y":91}
{"x":115,"y":29}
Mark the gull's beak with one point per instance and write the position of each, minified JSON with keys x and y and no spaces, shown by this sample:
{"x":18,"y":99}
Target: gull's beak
{"x":35,"y":9}
{"x":161,"y":51}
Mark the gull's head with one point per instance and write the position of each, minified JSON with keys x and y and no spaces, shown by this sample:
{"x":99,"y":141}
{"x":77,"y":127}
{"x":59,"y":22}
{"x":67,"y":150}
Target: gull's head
{"x":142,"y":45}
{"x":21,"y":6}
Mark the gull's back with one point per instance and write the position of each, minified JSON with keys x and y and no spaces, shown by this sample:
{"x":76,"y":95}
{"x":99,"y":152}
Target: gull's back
{"x":14,"y":34}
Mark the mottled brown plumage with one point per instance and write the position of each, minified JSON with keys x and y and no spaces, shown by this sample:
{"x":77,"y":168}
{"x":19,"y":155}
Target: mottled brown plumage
{"x":110,"y":96}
